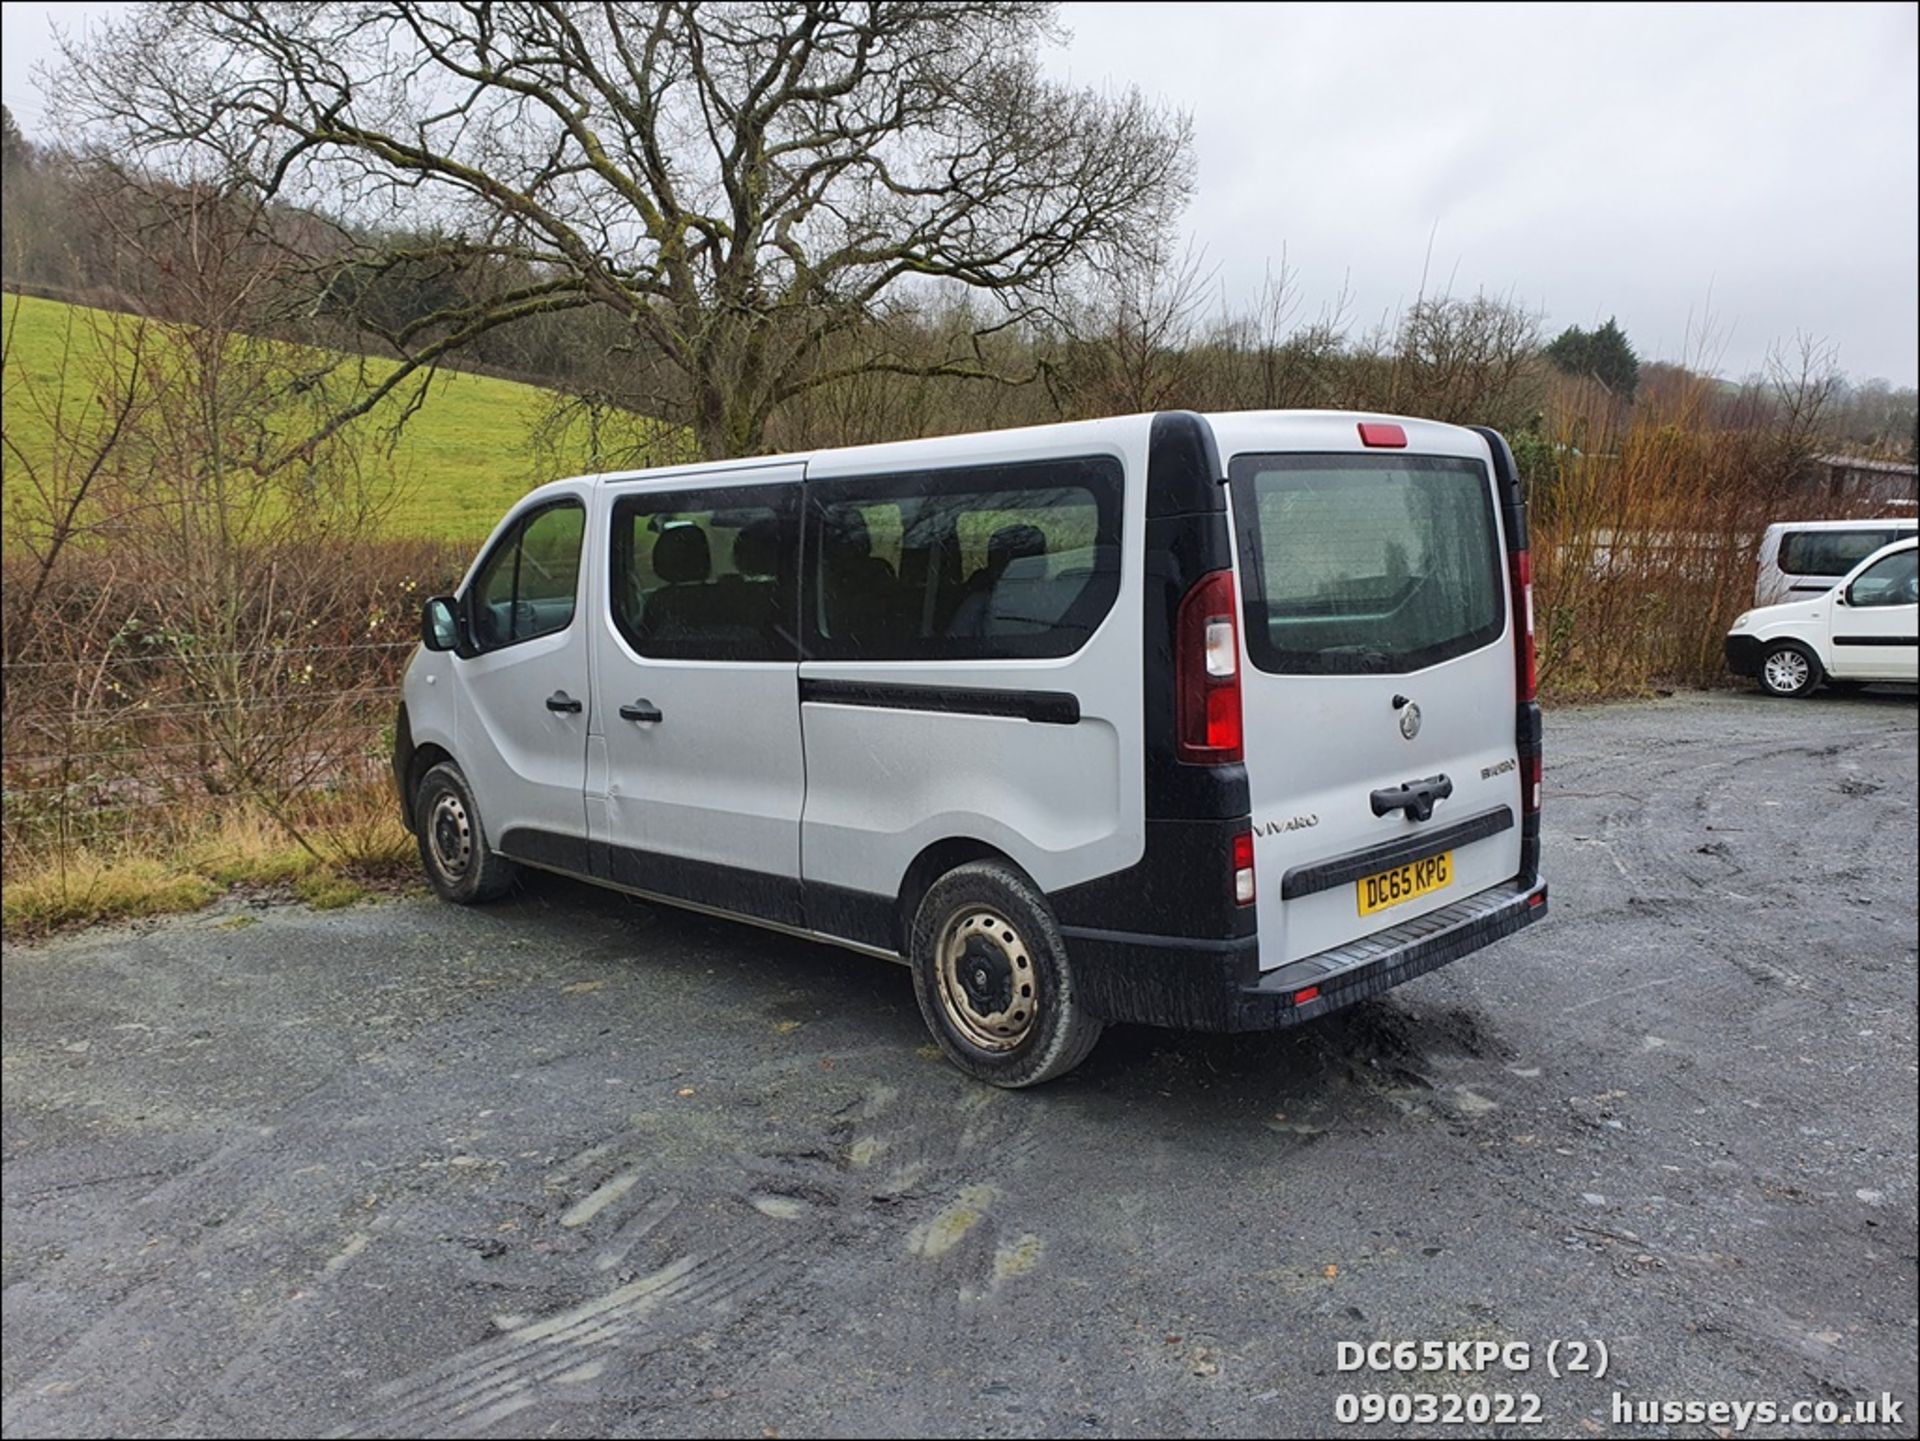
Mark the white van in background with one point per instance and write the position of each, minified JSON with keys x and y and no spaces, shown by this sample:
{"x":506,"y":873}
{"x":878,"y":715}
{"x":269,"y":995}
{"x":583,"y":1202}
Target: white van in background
{"x":1800,"y":559}
{"x":1215,"y":722}
{"x":1860,"y":630}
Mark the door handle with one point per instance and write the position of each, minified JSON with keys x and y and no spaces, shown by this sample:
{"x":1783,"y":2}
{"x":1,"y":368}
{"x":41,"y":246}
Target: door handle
{"x":640,"y":710}
{"x":1416,"y":798}
{"x":561,"y":701}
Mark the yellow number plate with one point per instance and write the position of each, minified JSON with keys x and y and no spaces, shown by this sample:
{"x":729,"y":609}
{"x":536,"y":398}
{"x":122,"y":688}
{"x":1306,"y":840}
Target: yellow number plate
{"x":1404,"y":883}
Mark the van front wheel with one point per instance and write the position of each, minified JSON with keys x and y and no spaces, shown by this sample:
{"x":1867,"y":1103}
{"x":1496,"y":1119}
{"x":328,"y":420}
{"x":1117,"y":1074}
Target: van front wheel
{"x":1789,"y":670}
{"x":459,"y":862}
{"x":990,"y":972}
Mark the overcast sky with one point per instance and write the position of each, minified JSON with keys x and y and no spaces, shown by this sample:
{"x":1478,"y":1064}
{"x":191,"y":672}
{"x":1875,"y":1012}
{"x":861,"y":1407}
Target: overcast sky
{"x":1647,"y":163}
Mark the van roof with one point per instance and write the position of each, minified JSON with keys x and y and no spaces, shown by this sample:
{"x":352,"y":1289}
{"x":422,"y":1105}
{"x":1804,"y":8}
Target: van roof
{"x":1862,"y":523}
{"x":1305,"y":429}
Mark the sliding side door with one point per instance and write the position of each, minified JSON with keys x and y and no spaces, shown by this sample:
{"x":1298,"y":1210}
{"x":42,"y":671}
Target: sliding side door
{"x":695,"y":786}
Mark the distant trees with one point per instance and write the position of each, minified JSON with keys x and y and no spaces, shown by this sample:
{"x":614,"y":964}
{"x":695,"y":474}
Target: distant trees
{"x":32,"y":181}
{"x":14,"y":147}
{"x":1874,"y":418}
{"x":1603,"y":354}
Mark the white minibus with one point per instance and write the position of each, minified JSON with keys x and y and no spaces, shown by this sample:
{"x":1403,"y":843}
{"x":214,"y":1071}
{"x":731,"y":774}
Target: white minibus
{"x":1219,"y":722}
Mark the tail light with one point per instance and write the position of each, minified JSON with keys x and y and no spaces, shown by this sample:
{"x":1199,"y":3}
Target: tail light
{"x":1206,"y":663}
{"x":1520,"y":571}
{"x":1526,"y":680}
{"x":1243,"y":869}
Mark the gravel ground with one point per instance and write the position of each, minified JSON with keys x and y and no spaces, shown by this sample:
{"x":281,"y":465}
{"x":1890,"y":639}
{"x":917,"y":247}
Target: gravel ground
{"x":573,"y":1165}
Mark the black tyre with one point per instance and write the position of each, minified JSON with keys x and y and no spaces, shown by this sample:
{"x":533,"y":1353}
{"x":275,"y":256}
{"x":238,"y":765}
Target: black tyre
{"x":991,"y":974}
{"x":1789,"y":669}
{"x":461,"y":865}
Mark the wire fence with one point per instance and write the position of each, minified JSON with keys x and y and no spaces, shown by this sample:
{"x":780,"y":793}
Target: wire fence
{"x":162,"y":657}
{"x":107,"y":746}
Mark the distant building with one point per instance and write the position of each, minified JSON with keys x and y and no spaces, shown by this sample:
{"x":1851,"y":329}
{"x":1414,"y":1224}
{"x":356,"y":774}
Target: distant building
{"x":1890,"y":483}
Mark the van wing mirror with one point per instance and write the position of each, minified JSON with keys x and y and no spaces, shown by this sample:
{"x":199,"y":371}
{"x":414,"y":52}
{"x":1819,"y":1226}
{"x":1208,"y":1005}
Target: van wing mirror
{"x":440,"y":623}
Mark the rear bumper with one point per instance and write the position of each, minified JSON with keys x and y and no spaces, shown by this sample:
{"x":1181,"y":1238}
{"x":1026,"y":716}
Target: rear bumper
{"x":1743,"y":655}
{"x":1215,"y":985}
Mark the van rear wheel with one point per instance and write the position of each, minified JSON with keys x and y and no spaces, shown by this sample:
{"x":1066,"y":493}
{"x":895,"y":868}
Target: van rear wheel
{"x":991,"y":974}
{"x":1789,"y":670}
{"x":459,"y":862}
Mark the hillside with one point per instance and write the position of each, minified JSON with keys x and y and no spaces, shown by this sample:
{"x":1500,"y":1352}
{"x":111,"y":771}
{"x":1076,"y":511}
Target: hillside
{"x":458,"y":463}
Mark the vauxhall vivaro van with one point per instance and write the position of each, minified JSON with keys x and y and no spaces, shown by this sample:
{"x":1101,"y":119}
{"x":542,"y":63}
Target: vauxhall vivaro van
{"x":1213,"y":722}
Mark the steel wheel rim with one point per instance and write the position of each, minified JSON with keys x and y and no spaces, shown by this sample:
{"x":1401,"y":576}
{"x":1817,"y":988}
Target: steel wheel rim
{"x":450,"y":834}
{"x":1787,"y":670}
{"x":989,"y":987}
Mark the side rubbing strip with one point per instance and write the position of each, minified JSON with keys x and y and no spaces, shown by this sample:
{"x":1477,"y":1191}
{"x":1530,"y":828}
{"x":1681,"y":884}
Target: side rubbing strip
{"x":1046,"y":707}
{"x":1325,"y":875}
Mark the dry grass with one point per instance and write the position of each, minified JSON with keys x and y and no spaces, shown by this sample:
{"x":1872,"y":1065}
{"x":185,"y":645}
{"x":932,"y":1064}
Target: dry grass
{"x":85,"y":886}
{"x":1646,"y":526}
{"x":357,"y":846}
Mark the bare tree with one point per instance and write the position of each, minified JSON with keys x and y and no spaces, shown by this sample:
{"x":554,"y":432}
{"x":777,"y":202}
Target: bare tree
{"x":1805,"y":379}
{"x":64,"y":440}
{"x":180,"y":569}
{"x":739,"y":183}
{"x":238,"y":546}
{"x":1470,"y":361}
{"x":1134,"y":349}
{"x":1275,"y":362}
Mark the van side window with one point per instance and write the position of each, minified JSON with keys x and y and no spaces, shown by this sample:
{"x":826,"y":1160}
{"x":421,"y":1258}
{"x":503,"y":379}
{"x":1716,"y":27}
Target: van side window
{"x":1892,"y":581}
{"x":981,"y":563}
{"x":1829,"y":552}
{"x":527,"y":586}
{"x":706,"y":574}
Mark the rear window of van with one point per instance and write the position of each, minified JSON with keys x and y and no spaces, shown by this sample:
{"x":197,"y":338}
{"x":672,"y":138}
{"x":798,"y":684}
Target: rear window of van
{"x":1366,"y":564}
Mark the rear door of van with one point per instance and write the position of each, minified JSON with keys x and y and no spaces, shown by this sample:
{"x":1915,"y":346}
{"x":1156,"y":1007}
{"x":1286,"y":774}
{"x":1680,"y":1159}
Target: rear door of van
{"x":1381,"y":682}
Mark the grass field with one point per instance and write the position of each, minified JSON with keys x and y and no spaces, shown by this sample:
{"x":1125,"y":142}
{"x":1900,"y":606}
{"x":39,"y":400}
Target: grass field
{"x":457,"y":465}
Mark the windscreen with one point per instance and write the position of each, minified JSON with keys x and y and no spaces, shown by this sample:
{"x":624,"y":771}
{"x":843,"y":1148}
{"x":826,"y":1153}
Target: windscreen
{"x":1365,"y":564}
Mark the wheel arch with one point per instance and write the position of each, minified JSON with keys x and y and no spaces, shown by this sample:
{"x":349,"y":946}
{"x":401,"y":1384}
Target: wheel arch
{"x":1807,"y":648}
{"x":933,"y":862}
{"x":424,"y":758}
